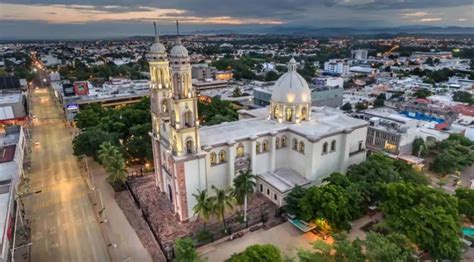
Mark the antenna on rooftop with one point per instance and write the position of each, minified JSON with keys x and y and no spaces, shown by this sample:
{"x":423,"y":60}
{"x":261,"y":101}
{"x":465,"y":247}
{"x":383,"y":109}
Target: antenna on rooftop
{"x":177,"y":27}
{"x":154,"y":25}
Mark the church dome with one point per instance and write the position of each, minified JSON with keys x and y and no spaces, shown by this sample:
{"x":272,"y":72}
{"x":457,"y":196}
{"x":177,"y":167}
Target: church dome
{"x":291,"y":87}
{"x":179,"y":51}
{"x":157,"y":46}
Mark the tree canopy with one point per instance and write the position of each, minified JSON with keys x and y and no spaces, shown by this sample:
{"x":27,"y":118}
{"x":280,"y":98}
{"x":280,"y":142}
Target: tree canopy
{"x":216,"y":112}
{"x":428,"y":217}
{"x":126,"y":127}
{"x":258,"y":253}
{"x":452,"y":154}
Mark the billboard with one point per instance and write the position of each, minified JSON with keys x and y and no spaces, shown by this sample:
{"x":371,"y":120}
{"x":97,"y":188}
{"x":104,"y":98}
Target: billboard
{"x":81,"y":88}
{"x":68,"y":89}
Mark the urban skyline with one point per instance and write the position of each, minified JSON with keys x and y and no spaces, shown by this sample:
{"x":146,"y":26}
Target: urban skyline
{"x":63,"y":19}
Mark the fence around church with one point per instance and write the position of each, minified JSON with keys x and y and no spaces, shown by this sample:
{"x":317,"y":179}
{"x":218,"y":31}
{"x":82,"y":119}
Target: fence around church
{"x":265,"y":216}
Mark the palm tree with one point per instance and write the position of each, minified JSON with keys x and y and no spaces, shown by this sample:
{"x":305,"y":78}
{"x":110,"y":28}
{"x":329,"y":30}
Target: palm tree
{"x":203,"y":207}
{"x":117,"y":172}
{"x":108,"y":153}
{"x":113,"y":162}
{"x":244,"y":185}
{"x":222,"y":201}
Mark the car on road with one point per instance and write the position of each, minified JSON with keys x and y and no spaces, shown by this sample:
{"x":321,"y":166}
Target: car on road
{"x":37,"y":143}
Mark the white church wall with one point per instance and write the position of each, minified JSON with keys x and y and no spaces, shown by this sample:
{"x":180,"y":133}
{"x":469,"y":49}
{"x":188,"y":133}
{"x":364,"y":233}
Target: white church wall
{"x":218,"y":173}
{"x":194,"y":180}
{"x":326,"y":163}
{"x":297,"y":160}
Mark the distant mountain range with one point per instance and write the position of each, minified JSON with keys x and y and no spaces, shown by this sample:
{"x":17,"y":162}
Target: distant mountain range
{"x":346,"y":31}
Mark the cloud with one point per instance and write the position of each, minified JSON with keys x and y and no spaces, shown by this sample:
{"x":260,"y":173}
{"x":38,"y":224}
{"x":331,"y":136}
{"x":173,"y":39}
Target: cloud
{"x":430,"y":19}
{"x":415,"y":14}
{"x":74,"y":14}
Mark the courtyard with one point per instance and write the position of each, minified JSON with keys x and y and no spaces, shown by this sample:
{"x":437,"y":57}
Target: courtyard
{"x":286,"y":237}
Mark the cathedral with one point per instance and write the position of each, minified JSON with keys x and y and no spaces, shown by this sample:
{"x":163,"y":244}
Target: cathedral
{"x":286,"y":144}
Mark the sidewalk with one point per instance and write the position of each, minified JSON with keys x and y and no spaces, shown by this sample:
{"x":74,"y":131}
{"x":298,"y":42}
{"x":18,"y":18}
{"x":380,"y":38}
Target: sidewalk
{"x":126,"y":246}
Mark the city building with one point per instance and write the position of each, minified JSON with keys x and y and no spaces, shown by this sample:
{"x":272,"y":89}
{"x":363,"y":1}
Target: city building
{"x":287,"y":144}
{"x":331,"y":96}
{"x":433,"y":55}
{"x":336,"y":66}
{"x":209,"y":84}
{"x":393,"y":133}
{"x":203,"y":72}
{"x":223,"y":75}
{"x":359,"y":54}
{"x":12,"y":151}
{"x":13,"y":109}
{"x":117,"y":92}
{"x":9,"y":84}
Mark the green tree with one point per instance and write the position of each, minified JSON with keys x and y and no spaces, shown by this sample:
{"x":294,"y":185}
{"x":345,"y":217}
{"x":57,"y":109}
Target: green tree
{"x":271,"y":76}
{"x":216,"y":112}
{"x":222,"y":201}
{"x":360,"y":106}
{"x":329,"y":202}
{"x":88,"y":141}
{"x":185,"y":251}
{"x":258,"y":253}
{"x":463,"y":96}
{"x":379,"y":102}
{"x":244,"y":185}
{"x":114,"y":164}
{"x":346,"y":107}
{"x":419,"y":148}
{"x":322,"y":253}
{"x":428,"y":217}
{"x":422,"y":93}
{"x":466,"y":202}
{"x":236,"y":92}
{"x":293,"y":199}
{"x":203,"y":207}
{"x":394,"y":247}
{"x":451,"y":155}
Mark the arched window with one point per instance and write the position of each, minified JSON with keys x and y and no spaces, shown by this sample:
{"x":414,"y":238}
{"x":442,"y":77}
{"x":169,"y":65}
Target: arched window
{"x":275,"y":112}
{"x":188,"y":119}
{"x":240,"y":150}
{"x":303,"y":113}
{"x":265,"y":146}
{"x":277,"y":143}
{"x":333,"y":145}
{"x":189,"y":146}
{"x":295,"y":144}
{"x":325,"y":147}
{"x":289,"y":114}
{"x":164,"y":105}
{"x":301,"y":147}
{"x":283,"y":141}
{"x":213,"y":157}
{"x":257,"y":147}
{"x":222,"y":156}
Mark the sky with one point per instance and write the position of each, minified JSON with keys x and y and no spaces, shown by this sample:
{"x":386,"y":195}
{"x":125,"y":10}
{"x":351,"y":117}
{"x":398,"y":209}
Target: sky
{"x":69,"y":19}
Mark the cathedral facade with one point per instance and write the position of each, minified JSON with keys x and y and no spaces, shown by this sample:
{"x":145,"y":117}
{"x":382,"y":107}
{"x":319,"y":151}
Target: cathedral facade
{"x":287,"y":144}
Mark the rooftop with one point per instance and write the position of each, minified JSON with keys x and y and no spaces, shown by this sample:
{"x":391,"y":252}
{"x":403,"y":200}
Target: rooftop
{"x":324,"y":121}
{"x":284,"y":179}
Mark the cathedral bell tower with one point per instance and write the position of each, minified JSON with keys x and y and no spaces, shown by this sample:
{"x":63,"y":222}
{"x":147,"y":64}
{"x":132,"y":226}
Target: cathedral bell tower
{"x":160,"y":98}
{"x":183,"y":116}
{"x":160,"y":89}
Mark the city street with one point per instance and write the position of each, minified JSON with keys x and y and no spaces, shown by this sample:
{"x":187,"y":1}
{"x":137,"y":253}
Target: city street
{"x":62,"y":220}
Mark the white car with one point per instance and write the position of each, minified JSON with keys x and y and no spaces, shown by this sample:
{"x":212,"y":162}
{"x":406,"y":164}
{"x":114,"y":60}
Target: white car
{"x":37,"y":143}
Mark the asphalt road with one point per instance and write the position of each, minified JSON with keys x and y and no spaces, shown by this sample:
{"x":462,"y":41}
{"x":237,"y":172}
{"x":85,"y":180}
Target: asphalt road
{"x":62,"y":220}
